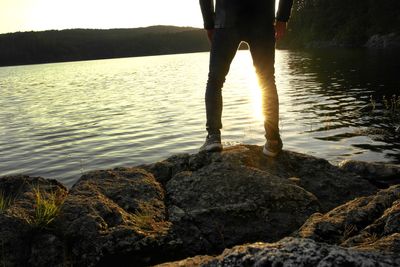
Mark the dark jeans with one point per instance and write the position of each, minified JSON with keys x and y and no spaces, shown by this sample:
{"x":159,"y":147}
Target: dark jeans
{"x":223,"y":49}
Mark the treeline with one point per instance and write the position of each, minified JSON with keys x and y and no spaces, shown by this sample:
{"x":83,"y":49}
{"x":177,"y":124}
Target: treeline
{"x":341,"y":22}
{"x":84,"y":44}
{"x":314,"y":23}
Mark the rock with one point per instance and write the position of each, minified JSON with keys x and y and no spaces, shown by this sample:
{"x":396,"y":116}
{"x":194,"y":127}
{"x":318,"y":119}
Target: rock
{"x":290,"y":252}
{"x":179,"y":207}
{"x":112,"y":216}
{"x":166,"y":169}
{"x":225,"y":204}
{"x":330,"y":184}
{"x":14,"y":251}
{"x":217,"y":200}
{"x":213,"y":201}
{"x":48,"y":249}
{"x":315,"y":175}
{"x":387,"y":41}
{"x":17,"y":233}
{"x":381,"y":174}
{"x":368,"y":223}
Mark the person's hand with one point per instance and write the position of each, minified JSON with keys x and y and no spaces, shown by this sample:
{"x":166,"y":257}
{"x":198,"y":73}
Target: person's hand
{"x":280,"y":29}
{"x":210,"y":33}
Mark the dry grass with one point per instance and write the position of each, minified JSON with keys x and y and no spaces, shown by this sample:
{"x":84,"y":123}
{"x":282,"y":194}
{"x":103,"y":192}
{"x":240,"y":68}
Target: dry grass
{"x":47,"y":207}
{"x":349,"y":230}
{"x":5,"y":201}
{"x":144,"y":219}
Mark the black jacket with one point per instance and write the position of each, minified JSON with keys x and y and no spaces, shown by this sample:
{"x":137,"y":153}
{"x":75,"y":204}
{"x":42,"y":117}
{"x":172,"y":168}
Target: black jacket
{"x":233,"y":13}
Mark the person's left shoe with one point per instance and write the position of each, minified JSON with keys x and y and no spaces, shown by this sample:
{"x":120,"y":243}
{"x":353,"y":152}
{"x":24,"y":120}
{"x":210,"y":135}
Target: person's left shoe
{"x":212,"y":143}
{"x":272,"y":148}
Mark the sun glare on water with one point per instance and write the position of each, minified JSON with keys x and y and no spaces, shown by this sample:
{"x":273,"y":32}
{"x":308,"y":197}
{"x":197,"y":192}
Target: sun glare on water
{"x":256,"y":100}
{"x":244,"y":63}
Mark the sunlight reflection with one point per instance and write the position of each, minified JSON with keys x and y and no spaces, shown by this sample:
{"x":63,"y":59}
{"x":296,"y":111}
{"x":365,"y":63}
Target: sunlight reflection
{"x":243,"y":59}
{"x":256,"y":101}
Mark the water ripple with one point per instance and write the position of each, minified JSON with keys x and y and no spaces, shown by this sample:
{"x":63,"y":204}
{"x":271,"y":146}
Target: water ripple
{"x":61,"y":120}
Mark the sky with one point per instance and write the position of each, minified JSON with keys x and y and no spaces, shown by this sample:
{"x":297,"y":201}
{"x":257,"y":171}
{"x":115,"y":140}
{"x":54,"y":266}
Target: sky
{"x":38,"y":15}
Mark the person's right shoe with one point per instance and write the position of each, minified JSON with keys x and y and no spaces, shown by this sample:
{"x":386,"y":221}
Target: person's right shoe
{"x":272,"y":148}
{"x":212,"y":143}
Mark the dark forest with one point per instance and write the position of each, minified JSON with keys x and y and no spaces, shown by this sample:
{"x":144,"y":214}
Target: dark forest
{"x":86,"y":44}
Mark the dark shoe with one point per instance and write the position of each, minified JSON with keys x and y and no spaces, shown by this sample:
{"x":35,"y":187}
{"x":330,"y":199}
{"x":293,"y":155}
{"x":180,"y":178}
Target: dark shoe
{"x":272,"y":148}
{"x":212,"y":143}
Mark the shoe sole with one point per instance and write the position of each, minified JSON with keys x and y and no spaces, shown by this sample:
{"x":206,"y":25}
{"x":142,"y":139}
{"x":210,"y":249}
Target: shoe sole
{"x":269,"y":153}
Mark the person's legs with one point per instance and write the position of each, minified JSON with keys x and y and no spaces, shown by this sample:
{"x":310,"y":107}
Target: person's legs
{"x":262,"y":48}
{"x":223,"y":49}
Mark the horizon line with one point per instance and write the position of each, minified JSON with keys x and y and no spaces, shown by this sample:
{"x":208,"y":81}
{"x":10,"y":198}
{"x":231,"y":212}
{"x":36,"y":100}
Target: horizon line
{"x":105,"y":29}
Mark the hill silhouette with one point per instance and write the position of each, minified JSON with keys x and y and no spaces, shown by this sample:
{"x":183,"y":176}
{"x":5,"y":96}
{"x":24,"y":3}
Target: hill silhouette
{"x":85,"y":44}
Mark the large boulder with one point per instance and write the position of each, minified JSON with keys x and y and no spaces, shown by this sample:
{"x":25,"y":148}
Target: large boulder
{"x":18,"y":228}
{"x":224,"y":204}
{"x":217,"y":200}
{"x":290,"y":252}
{"x":368,"y":223}
{"x":330,"y":184}
{"x":381,"y":174}
{"x":125,"y":214}
{"x":112,"y":216}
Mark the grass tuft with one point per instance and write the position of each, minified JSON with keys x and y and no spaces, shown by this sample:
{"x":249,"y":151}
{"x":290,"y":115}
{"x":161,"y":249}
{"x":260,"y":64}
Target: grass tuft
{"x":47,"y":207}
{"x":5,"y":201}
{"x":145,"y":219}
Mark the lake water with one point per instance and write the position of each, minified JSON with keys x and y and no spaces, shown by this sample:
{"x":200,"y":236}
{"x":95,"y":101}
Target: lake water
{"x":61,"y":120}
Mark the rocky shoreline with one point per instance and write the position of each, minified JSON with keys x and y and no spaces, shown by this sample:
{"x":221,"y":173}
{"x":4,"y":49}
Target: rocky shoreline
{"x":390,"y":41}
{"x":295,"y":210}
